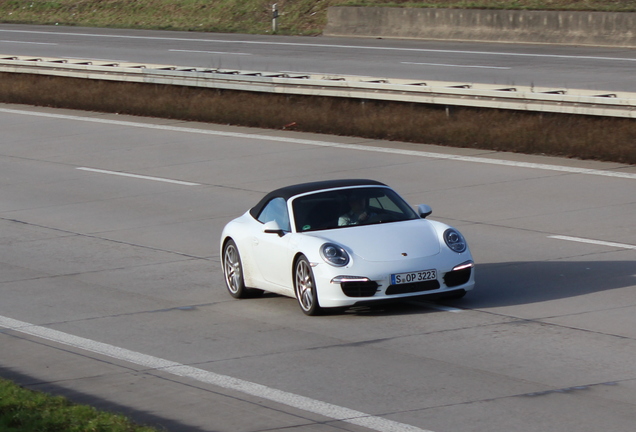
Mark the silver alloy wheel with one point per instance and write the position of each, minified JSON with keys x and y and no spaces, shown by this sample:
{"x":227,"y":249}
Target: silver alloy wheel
{"x":305,"y":287}
{"x":232,"y":269}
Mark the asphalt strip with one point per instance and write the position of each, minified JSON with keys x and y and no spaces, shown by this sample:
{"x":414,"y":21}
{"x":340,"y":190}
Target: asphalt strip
{"x":158,"y":364}
{"x":473,"y":159}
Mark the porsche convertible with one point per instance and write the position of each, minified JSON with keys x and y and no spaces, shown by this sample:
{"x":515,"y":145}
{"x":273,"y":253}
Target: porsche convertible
{"x":342,"y":243}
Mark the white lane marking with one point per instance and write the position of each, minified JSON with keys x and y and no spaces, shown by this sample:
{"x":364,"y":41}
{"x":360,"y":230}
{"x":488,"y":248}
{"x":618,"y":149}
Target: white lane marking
{"x":445,"y":308}
{"x":436,"y":306}
{"x":210,"y":52}
{"x":594,"y":242}
{"x":334,"y":412}
{"x":319,"y":73}
{"x":97,"y":59}
{"x":453,"y":65}
{"x":316,"y":45}
{"x":122,"y":174}
{"x":28,"y":43}
{"x":417,"y":153}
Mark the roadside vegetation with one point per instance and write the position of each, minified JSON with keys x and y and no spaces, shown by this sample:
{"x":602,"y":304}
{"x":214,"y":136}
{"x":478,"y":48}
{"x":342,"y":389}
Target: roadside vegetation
{"x":299,"y":17}
{"x":607,"y":139}
{"x":599,"y":138}
{"x":26,"y":410}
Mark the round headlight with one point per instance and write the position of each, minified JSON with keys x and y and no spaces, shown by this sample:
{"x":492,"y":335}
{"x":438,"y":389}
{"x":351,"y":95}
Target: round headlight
{"x":334,"y":254}
{"x":454,"y":240}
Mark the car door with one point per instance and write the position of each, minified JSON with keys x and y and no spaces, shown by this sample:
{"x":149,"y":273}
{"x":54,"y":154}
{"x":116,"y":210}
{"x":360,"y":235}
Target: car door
{"x":273,"y":251}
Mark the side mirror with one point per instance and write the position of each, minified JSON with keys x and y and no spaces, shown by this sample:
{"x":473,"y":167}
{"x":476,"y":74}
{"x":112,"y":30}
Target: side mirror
{"x":424,"y":210}
{"x":272,"y":227}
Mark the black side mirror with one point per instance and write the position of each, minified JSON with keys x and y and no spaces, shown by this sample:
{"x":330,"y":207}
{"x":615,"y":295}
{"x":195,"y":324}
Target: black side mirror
{"x":424,"y":210}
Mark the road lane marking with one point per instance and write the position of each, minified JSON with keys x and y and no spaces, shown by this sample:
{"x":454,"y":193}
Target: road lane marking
{"x":123,"y":174}
{"x":360,"y":147}
{"x":434,"y":306}
{"x":443,"y":308}
{"x":210,"y":52}
{"x":594,"y":242}
{"x":325,"y":409}
{"x":454,"y":65}
{"x":28,"y":43}
{"x":317,"y":45}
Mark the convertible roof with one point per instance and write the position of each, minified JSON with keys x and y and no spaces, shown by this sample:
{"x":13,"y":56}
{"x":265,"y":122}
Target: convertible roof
{"x":293,"y":190}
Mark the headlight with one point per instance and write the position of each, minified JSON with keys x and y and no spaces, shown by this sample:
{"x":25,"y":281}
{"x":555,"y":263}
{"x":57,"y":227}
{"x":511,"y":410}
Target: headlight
{"x":334,"y":255}
{"x":454,"y":240}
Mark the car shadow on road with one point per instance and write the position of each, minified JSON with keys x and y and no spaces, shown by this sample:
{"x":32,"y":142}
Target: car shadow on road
{"x":526,"y":282}
{"x":517,"y":283}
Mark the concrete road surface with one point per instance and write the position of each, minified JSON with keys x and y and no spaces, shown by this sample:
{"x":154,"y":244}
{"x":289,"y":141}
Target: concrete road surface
{"x":507,"y":64}
{"x":111,"y":290}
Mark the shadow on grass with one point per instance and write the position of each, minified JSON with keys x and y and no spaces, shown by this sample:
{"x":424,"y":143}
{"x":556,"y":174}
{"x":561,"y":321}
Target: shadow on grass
{"x":139,"y":417}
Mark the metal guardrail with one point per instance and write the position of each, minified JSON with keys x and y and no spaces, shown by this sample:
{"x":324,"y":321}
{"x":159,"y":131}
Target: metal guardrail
{"x":554,"y":100}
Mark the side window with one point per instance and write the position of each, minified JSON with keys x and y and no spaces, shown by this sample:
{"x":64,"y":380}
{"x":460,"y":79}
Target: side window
{"x":276,"y":210}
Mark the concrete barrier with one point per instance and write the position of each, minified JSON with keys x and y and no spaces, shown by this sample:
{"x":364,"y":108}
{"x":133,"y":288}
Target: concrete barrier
{"x":563,"y":101}
{"x":554,"y":27}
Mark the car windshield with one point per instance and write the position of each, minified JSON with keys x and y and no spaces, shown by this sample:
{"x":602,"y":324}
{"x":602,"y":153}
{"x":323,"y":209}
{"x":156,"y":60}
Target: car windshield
{"x":349,"y":207}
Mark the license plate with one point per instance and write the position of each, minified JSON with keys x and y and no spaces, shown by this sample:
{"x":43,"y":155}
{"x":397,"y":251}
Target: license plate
{"x":410,"y":277}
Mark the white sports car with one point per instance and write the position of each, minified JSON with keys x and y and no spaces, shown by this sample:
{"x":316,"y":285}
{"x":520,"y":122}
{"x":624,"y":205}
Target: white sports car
{"x":340,"y":243}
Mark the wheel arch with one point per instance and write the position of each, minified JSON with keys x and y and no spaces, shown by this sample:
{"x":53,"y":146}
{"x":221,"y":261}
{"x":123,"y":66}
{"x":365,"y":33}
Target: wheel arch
{"x":245,"y":259}
{"x":224,"y":241}
{"x":297,"y":256}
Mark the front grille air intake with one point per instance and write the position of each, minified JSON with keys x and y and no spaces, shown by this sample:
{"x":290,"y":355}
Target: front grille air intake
{"x":457,"y":277}
{"x":359,"y":288}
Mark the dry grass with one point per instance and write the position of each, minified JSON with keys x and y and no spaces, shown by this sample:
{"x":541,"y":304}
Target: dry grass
{"x":242,"y":16}
{"x":607,"y":139}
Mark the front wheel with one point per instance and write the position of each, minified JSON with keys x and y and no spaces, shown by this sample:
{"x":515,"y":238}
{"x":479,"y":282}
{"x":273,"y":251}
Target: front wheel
{"x":305,"y":287}
{"x":233,"y":273}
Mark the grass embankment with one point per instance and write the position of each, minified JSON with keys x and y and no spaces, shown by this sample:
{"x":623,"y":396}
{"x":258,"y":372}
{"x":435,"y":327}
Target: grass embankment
{"x":608,"y":139}
{"x":305,"y":17}
{"x":25,"y":410}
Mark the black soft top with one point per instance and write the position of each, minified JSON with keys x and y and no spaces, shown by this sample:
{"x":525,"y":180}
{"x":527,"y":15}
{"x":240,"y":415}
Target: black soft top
{"x":293,"y":190}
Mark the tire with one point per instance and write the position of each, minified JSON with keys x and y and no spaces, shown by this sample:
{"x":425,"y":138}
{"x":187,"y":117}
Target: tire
{"x":305,"y":288}
{"x":233,"y":273}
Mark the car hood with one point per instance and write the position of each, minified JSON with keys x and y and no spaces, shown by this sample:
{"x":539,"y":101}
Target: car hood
{"x":388,"y":241}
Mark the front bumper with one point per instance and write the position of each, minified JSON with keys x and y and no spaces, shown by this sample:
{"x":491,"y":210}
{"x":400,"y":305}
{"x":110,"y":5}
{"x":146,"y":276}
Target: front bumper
{"x":348,"y":290}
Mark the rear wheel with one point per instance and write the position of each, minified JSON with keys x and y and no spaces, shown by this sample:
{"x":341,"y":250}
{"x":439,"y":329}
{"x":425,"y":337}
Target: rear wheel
{"x":233,"y":272}
{"x":305,"y":287}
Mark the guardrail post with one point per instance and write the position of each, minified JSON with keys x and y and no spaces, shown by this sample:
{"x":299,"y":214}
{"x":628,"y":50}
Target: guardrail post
{"x":274,"y":18}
